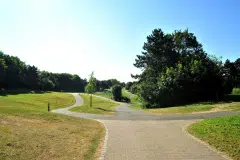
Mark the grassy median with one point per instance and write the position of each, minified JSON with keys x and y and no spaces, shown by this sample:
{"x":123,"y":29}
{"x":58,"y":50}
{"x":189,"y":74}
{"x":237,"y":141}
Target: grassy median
{"x":28,"y":131}
{"x":221,"y":133}
{"x":99,"y":105}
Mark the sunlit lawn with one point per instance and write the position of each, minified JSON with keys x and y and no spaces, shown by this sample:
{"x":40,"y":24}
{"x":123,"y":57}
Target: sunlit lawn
{"x":221,"y":133}
{"x":99,"y":105}
{"x":28,"y":131}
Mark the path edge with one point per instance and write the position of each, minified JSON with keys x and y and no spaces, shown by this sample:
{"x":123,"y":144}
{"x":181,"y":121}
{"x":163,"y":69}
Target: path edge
{"x":104,"y":146}
{"x":185,"y":130}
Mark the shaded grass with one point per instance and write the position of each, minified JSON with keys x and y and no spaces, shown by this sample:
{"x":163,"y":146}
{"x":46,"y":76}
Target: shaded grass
{"x":221,"y":133}
{"x":28,"y":131}
{"x":100,"y":105}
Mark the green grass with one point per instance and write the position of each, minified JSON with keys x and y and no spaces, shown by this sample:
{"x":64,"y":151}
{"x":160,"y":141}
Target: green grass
{"x":100,"y":105}
{"x":29,"y":103}
{"x":104,"y":94}
{"x":182,"y":109}
{"x":198,"y":107}
{"x":192,"y":108}
{"x":221,"y":133}
{"x":28,"y":131}
{"x":135,"y":102}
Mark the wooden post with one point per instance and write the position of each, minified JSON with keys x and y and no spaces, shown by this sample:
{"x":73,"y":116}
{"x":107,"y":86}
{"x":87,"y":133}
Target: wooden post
{"x":91,"y":100}
{"x":48,"y":107}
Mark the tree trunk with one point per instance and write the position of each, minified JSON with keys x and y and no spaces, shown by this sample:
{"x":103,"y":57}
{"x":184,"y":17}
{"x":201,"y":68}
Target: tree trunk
{"x":91,"y":100}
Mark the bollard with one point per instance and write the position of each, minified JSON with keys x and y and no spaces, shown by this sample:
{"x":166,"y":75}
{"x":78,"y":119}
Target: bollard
{"x":48,"y":107}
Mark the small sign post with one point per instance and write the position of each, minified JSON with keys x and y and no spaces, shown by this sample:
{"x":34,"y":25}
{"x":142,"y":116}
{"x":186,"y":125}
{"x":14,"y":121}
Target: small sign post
{"x":48,"y":107}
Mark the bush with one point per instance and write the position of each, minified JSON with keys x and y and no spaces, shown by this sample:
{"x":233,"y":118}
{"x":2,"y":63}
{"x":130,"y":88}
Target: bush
{"x":236,"y":91}
{"x":232,"y":97}
{"x":117,"y":92}
{"x":125,"y":99}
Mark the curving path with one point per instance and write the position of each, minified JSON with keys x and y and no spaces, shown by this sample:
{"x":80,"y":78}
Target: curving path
{"x":136,"y":135}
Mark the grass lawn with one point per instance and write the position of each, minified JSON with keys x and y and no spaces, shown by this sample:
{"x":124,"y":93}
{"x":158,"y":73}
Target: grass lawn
{"x":135,"y":102}
{"x":104,"y":94}
{"x":100,"y":105}
{"x":28,"y":131}
{"x":221,"y":133}
{"x":199,"y":107}
{"x":192,"y":108}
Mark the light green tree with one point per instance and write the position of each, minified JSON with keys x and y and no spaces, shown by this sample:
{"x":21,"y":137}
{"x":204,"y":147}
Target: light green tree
{"x":91,"y":87}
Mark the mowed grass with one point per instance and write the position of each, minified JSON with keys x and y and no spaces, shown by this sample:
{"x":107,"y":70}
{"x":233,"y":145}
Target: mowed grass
{"x":99,"y":105}
{"x":28,"y":131}
{"x":30,"y":103}
{"x":221,"y":133}
{"x":135,"y":102}
{"x":198,"y":107}
{"x":104,"y":94}
{"x":192,"y":108}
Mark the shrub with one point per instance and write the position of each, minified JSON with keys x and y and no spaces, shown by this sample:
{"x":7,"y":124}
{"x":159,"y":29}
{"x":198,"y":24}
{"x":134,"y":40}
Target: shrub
{"x":232,"y":97}
{"x":236,"y":91}
{"x":125,"y":99}
{"x":117,"y":92}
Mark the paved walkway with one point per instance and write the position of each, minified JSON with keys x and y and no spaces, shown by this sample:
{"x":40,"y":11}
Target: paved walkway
{"x":136,"y":135}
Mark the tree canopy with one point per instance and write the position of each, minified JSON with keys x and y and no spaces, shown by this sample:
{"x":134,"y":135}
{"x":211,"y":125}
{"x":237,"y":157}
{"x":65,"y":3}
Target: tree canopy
{"x":176,"y":70}
{"x":15,"y":74}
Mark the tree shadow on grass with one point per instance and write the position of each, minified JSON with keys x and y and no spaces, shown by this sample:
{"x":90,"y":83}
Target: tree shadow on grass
{"x":106,"y":110}
{"x":20,"y":91}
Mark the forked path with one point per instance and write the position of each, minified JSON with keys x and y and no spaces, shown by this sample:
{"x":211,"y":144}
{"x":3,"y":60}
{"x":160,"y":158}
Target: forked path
{"x":136,"y":135}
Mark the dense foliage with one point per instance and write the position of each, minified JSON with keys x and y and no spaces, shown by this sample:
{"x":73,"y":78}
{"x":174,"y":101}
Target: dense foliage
{"x":106,"y":84}
{"x":176,"y":70}
{"x":15,"y":74}
{"x":128,"y":85}
{"x":91,"y":87}
{"x":236,"y":91}
{"x":117,"y":92}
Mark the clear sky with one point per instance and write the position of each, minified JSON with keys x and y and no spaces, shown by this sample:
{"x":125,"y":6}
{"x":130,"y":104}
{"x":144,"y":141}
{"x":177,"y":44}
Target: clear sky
{"x":105,"y":36}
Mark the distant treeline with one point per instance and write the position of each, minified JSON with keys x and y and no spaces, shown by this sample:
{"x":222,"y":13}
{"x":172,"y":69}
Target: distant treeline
{"x":106,"y":84}
{"x":15,"y":74}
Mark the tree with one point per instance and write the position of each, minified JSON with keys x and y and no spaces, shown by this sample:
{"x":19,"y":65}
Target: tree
{"x":117,"y":92}
{"x":3,"y":69}
{"x":91,"y":87}
{"x":31,"y":77}
{"x":128,"y":85}
{"x":176,"y":70}
{"x":14,"y":74}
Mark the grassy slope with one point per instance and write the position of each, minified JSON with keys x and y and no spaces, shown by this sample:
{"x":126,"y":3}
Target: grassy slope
{"x":28,"y":131}
{"x":100,"y":105}
{"x":135,"y":102}
{"x":199,"y":107}
{"x":222,"y":133}
{"x":104,"y":94}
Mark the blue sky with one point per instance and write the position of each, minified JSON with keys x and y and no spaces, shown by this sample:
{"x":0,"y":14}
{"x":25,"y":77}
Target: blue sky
{"x":105,"y":36}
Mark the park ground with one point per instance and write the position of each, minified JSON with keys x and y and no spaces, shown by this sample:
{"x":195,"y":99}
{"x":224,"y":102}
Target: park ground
{"x":221,"y":133}
{"x":29,"y":131}
{"x":202,"y":107}
{"x":99,"y":105}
